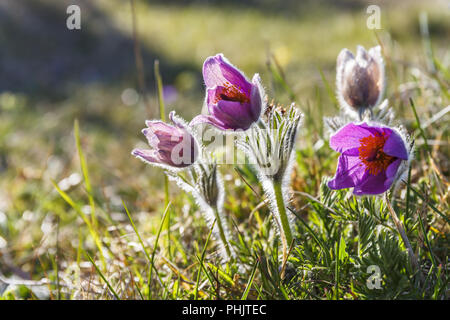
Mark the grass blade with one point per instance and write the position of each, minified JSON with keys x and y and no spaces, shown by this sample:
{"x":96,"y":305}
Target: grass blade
{"x":201,"y":261}
{"x":330,"y":92}
{"x":430,"y":205}
{"x":103,"y":277}
{"x":162,"y":115}
{"x":140,"y":239}
{"x":80,"y":212}
{"x":152,"y":260}
{"x":250,"y":281}
{"x":422,"y":133}
{"x":85,"y":171}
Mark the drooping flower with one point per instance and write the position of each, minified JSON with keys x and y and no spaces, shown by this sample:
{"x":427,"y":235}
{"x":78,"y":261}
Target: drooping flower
{"x":233,"y":102}
{"x":370,"y":158}
{"x":172,"y":146}
{"x":360,"y":80}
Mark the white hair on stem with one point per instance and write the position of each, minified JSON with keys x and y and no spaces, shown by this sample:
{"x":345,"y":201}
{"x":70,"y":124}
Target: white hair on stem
{"x":271,"y":148}
{"x":206,"y":186}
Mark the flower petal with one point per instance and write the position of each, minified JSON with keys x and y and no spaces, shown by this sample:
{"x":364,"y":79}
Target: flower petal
{"x":354,"y":152}
{"x":209,"y":120}
{"x":146,"y":155}
{"x":158,"y":125}
{"x":395,"y":146}
{"x":235,"y":114}
{"x":217,"y":70}
{"x":348,"y":137}
{"x":344,"y":56}
{"x":361,"y":55}
{"x":349,"y":173}
{"x":152,"y":138}
{"x":257,"y":98}
{"x":371,"y":184}
{"x":391,"y":172}
{"x":177,"y":121}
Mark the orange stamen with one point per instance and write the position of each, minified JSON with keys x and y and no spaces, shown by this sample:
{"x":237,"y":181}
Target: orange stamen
{"x":372,"y":155}
{"x":231,"y":92}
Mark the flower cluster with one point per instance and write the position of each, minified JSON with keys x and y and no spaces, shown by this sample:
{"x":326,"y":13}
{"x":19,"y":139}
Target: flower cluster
{"x":234,"y":104}
{"x":374,"y":154}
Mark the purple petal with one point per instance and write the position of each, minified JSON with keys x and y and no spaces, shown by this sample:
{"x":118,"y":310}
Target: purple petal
{"x":159,"y":127}
{"x":235,"y":114}
{"x":175,"y":120}
{"x":150,"y":156}
{"x":209,"y":120}
{"x":152,"y":138}
{"x":391,"y":172}
{"x":395,"y":146}
{"x":349,"y":173}
{"x":217,"y":70}
{"x":161,"y":135}
{"x":349,"y":136}
{"x":211,"y":94}
{"x":371,"y":184}
{"x":354,"y":152}
{"x":256,"y":98}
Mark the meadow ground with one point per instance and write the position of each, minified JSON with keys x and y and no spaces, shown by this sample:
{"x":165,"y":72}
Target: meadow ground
{"x":70,"y":116}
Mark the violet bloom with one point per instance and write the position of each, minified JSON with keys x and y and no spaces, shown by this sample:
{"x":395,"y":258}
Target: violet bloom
{"x":370,"y":158}
{"x":173,"y":146}
{"x":233,"y":101}
{"x":360,"y":80}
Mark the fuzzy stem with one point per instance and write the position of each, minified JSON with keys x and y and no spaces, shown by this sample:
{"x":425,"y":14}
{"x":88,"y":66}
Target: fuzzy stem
{"x":401,"y":230}
{"x":222,"y":232}
{"x":285,"y":229}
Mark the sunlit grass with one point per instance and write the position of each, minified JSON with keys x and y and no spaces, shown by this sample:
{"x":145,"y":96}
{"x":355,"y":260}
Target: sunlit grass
{"x":40,"y":229}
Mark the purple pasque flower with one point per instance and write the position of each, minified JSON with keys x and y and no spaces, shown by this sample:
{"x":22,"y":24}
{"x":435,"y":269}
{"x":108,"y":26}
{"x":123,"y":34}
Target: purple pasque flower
{"x":370,"y":158}
{"x":172,"y":146}
{"x":360,"y":80}
{"x":233,"y":102}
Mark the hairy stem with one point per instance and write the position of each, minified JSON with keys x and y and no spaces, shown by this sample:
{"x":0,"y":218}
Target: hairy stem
{"x":223,"y":238}
{"x":285,"y":229}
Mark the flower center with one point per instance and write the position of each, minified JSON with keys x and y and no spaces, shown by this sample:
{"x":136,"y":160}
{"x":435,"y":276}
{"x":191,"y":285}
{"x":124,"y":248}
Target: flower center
{"x":231,"y":92}
{"x":371,"y":153}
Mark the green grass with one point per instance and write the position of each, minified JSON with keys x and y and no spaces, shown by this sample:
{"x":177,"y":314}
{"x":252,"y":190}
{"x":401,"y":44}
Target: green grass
{"x":64,"y":225}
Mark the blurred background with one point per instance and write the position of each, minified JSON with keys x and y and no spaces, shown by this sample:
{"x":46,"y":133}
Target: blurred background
{"x":50,"y":76}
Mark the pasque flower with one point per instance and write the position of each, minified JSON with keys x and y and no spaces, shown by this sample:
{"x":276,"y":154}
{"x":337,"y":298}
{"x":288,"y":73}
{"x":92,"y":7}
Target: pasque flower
{"x":360,"y":80}
{"x":233,"y":102}
{"x":172,"y":146}
{"x":370,"y":157}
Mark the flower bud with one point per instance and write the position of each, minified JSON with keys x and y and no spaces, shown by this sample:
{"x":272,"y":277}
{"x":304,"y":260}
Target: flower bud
{"x":173,"y":146}
{"x":233,"y":102}
{"x":360,"y":80}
